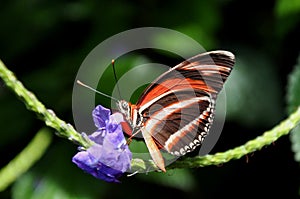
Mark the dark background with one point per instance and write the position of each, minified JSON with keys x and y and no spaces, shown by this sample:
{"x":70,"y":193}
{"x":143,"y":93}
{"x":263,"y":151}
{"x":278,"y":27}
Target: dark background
{"x":45,"y":42}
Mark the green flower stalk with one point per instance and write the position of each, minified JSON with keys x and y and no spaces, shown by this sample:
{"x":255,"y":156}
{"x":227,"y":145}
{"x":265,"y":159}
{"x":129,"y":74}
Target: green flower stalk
{"x":249,"y":147}
{"x":33,"y":104}
{"x":138,"y":165}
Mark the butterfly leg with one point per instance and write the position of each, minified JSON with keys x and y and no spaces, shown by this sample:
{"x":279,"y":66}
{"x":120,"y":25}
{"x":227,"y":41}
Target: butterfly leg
{"x":153,"y":150}
{"x":129,"y":140}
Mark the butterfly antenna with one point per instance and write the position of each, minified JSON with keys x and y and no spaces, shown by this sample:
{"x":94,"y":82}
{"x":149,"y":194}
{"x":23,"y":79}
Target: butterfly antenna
{"x":84,"y":85}
{"x":115,"y":76}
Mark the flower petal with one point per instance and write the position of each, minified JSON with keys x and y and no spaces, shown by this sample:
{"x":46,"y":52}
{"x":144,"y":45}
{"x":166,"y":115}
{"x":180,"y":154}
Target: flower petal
{"x":100,"y":116}
{"x":88,"y":163}
{"x":85,"y":161}
{"x":98,"y":136}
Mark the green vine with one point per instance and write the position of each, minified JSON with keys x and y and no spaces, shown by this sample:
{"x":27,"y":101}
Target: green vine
{"x":249,"y":147}
{"x":138,"y":165}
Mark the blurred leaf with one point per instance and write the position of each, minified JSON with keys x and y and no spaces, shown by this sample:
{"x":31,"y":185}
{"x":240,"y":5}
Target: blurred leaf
{"x":293,"y":88}
{"x":287,"y":12}
{"x":293,"y":100}
{"x":175,"y":42}
{"x":200,"y":23}
{"x":287,"y":7}
{"x":29,"y":186}
{"x":252,"y":91}
{"x":204,"y":36}
{"x":207,"y":21}
{"x":23,"y":187}
{"x":295,"y":139}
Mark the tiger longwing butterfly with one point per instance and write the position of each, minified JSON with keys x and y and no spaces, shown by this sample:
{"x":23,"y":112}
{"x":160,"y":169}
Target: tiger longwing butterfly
{"x":175,"y":111}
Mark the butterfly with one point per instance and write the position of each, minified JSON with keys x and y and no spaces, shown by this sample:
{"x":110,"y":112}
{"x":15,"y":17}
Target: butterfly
{"x":176,"y":111}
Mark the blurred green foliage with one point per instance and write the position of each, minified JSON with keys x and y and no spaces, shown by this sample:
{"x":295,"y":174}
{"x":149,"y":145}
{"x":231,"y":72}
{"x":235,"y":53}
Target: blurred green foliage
{"x":44,"y":43}
{"x":293,"y":99}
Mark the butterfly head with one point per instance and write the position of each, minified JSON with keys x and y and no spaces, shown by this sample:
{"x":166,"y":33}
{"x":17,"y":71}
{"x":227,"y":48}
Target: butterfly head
{"x":124,"y":107}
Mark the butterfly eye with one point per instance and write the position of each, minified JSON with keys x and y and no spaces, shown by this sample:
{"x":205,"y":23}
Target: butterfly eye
{"x":124,"y":105}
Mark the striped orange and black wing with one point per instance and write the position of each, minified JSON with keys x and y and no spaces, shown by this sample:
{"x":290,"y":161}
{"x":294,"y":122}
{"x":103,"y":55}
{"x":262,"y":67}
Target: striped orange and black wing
{"x":178,"y":107}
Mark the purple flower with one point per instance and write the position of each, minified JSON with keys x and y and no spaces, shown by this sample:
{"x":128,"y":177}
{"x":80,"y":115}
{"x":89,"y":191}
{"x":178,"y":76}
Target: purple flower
{"x":109,"y":158}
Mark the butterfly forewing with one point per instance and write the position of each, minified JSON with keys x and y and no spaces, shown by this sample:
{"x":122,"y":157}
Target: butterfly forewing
{"x":177,"y":108}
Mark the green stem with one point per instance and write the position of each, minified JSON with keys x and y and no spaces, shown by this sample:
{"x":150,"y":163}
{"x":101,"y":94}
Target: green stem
{"x":33,"y":104}
{"x":249,"y":147}
{"x":68,"y":131}
{"x":24,"y":160}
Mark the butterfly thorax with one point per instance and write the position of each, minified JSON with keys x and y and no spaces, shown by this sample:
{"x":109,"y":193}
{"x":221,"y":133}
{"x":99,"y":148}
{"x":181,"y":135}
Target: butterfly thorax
{"x":131,"y":113}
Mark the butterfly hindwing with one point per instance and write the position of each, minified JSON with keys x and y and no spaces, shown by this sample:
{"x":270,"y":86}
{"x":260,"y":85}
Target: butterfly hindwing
{"x":181,"y":125}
